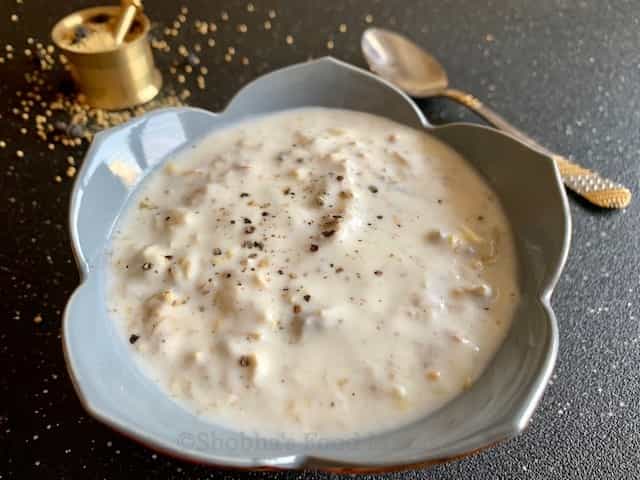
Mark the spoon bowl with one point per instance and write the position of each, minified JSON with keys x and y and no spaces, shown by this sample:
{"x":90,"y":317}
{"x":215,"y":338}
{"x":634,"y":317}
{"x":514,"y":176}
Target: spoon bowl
{"x":402,"y":62}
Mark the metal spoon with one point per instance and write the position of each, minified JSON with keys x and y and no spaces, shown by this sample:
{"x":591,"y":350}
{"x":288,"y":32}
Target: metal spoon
{"x":402,"y":62}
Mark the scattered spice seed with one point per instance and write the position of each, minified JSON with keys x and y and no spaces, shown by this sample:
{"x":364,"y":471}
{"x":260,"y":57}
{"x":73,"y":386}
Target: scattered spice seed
{"x":247,"y":220}
{"x":379,"y":217}
{"x":289,"y":40}
{"x":244,"y":361}
{"x":307,"y":298}
{"x":339,"y":178}
{"x":133,"y":338}
{"x":37,"y":319}
{"x":250,"y":229}
{"x":147,"y":266}
{"x":244,"y":195}
{"x":193,"y":59}
{"x":373,"y":189}
{"x":19,"y":154}
{"x":313,"y":247}
{"x":328,"y":233}
{"x":330,"y":44}
{"x":217,"y":251}
{"x":378,"y":273}
{"x":342,"y":28}
{"x":71,"y":171}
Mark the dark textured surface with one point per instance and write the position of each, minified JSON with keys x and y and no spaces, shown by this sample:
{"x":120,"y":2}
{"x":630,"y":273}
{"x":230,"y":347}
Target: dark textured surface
{"x":566,"y":71}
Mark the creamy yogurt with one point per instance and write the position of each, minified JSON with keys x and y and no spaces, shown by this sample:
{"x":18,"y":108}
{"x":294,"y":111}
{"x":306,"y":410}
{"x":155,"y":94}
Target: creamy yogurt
{"x":315,"y":271}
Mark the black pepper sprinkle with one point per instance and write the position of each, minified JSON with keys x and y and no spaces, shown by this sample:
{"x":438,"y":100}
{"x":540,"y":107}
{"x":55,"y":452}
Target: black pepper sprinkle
{"x":169,"y":257}
{"x":250,"y":229}
{"x":244,"y":361}
{"x":377,"y":273}
{"x":379,"y":217}
{"x":313,"y":247}
{"x":373,"y":189}
{"x":439,"y":201}
{"x":339,"y":270}
{"x":280,"y":272}
{"x":233,"y":222}
{"x":265,"y":214}
{"x":79,"y":33}
{"x":259,"y":245}
{"x":147,"y":266}
{"x":228,"y":275}
{"x":339,"y":178}
{"x":244,"y":194}
{"x":246,"y":220}
{"x":307,"y":298}
{"x":480,"y":218}
{"x":217,"y":251}
{"x":133,"y":338}
{"x":328,"y":233}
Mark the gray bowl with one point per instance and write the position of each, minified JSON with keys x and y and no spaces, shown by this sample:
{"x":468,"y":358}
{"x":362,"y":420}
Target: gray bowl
{"x":113,"y":389}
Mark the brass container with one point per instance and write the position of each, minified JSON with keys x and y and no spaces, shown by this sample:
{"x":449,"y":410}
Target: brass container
{"x":113,"y":79}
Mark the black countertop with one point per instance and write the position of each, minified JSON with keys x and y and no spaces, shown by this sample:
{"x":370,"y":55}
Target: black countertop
{"x":566,"y":71}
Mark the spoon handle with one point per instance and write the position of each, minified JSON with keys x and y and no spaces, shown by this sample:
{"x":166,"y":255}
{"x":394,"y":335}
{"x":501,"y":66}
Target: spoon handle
{"x":586,"y":183}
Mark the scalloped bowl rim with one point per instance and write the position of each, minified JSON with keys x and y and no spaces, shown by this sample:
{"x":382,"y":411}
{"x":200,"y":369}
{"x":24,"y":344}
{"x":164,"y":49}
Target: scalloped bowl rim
{"x":502,"y":431}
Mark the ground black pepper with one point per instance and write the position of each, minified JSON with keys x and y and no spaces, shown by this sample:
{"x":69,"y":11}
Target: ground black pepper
{"x":133,"y":338}
{"x":313,"y":247}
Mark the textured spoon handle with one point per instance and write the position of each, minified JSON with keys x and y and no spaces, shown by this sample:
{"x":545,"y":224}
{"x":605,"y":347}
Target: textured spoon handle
{"x":589,"y":185}
{"x":598,"y":190}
